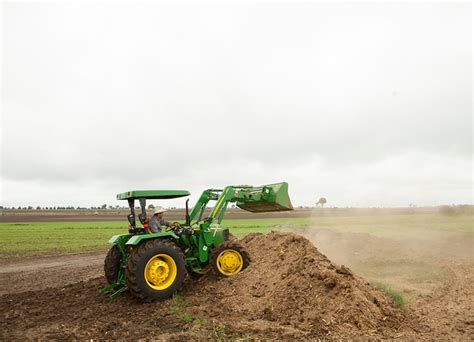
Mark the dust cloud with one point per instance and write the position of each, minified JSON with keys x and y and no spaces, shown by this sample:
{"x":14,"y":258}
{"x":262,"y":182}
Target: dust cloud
{"x":412,"y":251}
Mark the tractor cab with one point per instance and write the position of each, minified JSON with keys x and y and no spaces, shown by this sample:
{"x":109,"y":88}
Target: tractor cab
{"x":142,"y":196}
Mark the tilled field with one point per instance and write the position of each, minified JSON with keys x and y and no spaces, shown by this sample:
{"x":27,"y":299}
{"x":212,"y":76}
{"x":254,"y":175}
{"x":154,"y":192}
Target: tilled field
{"x":290,"y":290}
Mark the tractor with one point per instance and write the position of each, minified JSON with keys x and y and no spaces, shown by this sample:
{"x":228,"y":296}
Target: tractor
{"x":153,"y":266}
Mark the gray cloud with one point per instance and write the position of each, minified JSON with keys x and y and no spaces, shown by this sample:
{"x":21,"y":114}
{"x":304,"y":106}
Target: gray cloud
{"x":366,"y":104}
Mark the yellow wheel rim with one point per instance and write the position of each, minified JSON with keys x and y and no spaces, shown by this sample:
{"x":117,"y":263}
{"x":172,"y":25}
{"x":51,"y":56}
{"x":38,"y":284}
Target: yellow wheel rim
{"x":160,"y":272}
{"x":229,"y":262}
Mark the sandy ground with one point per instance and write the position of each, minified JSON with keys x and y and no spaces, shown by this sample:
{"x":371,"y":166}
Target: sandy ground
{"x":284,"y":294}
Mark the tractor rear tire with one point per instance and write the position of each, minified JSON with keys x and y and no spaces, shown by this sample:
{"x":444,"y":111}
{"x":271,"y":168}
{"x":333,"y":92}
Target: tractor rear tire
{"x":155,"y":270}
{"x":112,"y":264}
{"x":228,"y":259}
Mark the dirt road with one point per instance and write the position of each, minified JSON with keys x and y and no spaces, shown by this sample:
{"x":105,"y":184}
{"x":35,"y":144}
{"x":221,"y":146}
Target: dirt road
{"x":40,"y":273}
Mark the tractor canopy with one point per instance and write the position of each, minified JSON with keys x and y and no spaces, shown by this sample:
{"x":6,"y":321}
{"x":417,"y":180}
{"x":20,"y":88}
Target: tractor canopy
{"x":152,"y":194}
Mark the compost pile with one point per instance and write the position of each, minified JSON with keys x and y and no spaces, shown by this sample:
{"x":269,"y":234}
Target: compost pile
{"x":290,"y":290}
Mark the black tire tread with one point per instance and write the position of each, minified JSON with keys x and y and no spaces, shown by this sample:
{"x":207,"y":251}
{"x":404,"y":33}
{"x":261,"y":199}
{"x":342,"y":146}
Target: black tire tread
{"x":112,"y":264}
{"x":131,"y":274}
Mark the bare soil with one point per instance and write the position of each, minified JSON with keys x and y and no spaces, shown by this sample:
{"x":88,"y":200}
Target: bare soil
{"x":48,"y":272}
{"x":434,"y":270}
{"x":289,"y":291}
{"x":86,"y":215}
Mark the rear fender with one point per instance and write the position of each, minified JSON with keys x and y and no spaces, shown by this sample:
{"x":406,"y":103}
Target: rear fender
{"x":117,"y":238}
{"x":221,"y":234}
{"x":137,"y":239}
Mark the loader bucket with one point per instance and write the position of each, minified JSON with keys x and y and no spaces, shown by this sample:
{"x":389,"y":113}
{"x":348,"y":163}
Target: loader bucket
{"x":271,"y":197}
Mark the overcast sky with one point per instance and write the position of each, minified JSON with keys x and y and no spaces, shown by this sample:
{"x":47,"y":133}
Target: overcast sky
{"x":364,"y":104}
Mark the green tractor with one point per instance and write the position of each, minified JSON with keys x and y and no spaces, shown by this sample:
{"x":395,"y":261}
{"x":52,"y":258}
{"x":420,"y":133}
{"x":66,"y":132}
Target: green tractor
{"x":152,"y":266}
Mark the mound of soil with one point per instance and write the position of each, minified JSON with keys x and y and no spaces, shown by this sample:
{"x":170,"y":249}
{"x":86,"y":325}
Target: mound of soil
{"x":290,"y":290}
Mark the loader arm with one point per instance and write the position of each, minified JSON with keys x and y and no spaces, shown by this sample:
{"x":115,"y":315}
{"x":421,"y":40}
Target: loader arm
{"x":266,"y":198}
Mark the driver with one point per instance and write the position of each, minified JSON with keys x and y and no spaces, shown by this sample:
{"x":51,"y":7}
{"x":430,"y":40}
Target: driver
{"x":157,"y":221}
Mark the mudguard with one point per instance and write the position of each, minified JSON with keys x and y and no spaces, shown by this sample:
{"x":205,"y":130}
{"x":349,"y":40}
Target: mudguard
{"x":136,"y":239}
{"x":115,"y":239}
{"x":220,"y":234}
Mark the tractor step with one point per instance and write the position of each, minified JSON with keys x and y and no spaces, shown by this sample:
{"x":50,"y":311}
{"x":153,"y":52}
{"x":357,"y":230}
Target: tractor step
{"x":118,"y":288}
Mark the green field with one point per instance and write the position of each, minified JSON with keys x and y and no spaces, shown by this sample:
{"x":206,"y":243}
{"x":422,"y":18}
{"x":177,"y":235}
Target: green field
{"x":56,"y":238}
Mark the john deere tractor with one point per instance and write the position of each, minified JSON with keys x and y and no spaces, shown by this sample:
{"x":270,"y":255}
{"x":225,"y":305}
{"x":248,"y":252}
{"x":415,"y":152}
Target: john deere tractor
{"x":152,"y":266}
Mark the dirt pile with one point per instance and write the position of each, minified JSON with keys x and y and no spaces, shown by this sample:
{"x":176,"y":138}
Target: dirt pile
{"x":290,"y":290}
{"x":294,"y":289}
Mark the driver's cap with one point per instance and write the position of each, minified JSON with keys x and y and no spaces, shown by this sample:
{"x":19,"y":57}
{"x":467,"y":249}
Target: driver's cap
{"x":159,"y":210}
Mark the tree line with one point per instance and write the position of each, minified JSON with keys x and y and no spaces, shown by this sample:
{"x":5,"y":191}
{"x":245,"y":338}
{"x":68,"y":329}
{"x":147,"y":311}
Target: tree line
{"x":100,"y":207}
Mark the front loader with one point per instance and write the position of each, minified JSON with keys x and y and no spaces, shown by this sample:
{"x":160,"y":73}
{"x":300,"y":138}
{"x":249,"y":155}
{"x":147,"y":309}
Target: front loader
{"x":152,"y":266}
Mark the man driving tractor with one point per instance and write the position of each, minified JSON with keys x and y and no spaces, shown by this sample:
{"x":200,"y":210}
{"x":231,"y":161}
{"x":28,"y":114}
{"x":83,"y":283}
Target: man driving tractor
{"x":157,"y":220}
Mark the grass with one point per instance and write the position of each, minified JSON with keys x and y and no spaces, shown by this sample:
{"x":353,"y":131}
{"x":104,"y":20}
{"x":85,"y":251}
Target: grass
{"x":178,"y":308}
{"x":219,"y":332}
{"x":415,"y":271}
{"x":397,"y":226}
{"x":244,"y":226}
{"x":396,"y":296}
{"x":59,"y":238}
{"x":216,"y":330}
{"x":55,"y":238}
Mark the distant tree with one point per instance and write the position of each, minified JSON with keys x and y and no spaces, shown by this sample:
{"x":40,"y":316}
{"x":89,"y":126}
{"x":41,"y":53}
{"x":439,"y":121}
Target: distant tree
{"x":38,"y":208}
{"x":322,"y":201}
{"x":104,"y":206}
{"x":151,"y":206}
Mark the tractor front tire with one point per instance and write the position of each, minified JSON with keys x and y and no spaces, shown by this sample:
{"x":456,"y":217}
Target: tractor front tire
{"x":228,"y":259}
{"x":155,"y":270}
{"x":112,"y":264}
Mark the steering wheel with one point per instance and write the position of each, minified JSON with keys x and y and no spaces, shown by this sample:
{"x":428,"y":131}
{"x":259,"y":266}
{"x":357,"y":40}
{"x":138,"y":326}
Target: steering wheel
{"x":176,"y":227}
